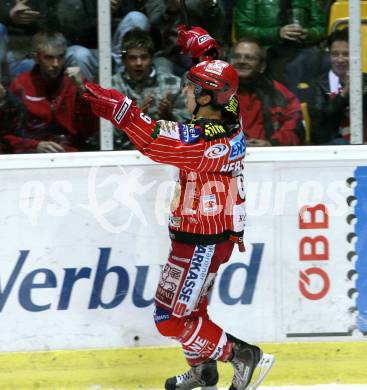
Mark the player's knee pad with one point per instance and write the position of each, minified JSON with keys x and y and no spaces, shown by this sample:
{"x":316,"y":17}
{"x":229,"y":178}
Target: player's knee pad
{"x":167,"y":324}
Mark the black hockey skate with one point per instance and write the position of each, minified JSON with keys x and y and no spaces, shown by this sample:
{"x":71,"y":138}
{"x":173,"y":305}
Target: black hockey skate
{"x":246,"y":358}
{"x":203,"y":375}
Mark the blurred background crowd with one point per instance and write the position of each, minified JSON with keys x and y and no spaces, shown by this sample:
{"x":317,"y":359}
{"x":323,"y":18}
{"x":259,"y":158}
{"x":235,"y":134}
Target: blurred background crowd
{"x":292,"y":57}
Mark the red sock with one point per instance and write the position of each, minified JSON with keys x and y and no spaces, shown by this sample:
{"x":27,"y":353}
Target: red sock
{"x":205,"y":340}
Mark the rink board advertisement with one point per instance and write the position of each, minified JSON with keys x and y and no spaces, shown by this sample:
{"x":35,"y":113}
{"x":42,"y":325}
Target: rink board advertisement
{"x":83,"y":241}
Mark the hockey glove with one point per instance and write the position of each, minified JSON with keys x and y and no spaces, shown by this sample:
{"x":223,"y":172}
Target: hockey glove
{"x":107,"y":103}
{"x":197,"y":42}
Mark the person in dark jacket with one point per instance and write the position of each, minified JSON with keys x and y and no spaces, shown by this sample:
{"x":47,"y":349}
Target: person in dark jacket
{"x":292,"y":30}
{"x":271,"y":114}
{"x":329,"y":101}
{"x":11,"y":116}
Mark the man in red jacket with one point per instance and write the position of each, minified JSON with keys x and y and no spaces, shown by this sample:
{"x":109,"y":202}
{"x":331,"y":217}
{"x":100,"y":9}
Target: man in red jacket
{"x":271,"y":114}
{"x":206,"y":220}
{"x":56,"y":118}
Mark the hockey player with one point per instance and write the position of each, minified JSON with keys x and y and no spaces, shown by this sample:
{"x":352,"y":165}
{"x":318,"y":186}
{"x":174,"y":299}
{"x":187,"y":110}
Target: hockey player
{"x":206,"y":221}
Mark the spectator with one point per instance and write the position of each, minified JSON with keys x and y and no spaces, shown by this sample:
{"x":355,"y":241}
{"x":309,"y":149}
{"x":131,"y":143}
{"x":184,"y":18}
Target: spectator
{"x":132,"y":20}
{"x":329,"y":105}
{"x":17,"y":12}
{"x":56,"y":118}
{"x":76,"y":19}
{"x":11,"y":115}
{"x":18,"y":16}
{"x":3,"y":61}
{"x":137,"y":14}
{"x":292,"y":31}
{"x":130,"y":11}
{"x":156,"y":91}
{"x":270,"y":113}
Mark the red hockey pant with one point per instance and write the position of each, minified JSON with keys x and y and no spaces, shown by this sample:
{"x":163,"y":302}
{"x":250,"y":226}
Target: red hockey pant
{"x":182,"y":299}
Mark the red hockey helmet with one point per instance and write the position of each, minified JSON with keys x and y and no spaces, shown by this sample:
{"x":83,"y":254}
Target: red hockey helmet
{"x":218,"y":77}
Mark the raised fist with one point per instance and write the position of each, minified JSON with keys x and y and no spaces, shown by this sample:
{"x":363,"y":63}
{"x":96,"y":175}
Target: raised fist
{"x":196,"y":42}
{"x":73,"y":72}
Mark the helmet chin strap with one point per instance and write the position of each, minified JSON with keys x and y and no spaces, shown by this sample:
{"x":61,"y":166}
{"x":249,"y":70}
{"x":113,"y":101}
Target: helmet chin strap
{"x":198,"y":105}
{"x":196,"y":110}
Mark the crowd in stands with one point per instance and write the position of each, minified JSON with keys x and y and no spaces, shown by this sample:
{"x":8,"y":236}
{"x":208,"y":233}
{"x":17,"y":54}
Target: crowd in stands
{"x":294,"y":78}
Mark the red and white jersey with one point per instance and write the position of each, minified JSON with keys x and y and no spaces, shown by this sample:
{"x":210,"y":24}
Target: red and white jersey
{"x":209,"y":201}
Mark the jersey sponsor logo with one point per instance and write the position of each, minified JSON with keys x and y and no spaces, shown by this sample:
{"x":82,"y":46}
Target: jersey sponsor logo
{"x":233,"y":105}
{"x":194,"y":281}
{"x":191,"y":354}
{"x":123,"y":110}
{"x":203,"y":39}
{"x":216,"y":151}
{"x":189,"y":134}
{"x":233,"y":166}
{"x":169,"y":283}
{"x":238,"y":147}
{"x":209,"y":203}
{"x":199,"y":344}
{"x":182,"y":259}
{"x":218,"y":351}
{"x":239,"y":217}
{"x":169,"y":129}
{"x":174,"y":221}
{"x":160,"y":315}
{"x":180,"y":309}
{"x":213,"y":131}
{"x":160,"y":318}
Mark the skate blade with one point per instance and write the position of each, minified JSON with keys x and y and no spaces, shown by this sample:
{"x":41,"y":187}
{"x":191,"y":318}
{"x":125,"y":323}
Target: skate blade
{"x":209,"y":388}
{"x":262,"y":369}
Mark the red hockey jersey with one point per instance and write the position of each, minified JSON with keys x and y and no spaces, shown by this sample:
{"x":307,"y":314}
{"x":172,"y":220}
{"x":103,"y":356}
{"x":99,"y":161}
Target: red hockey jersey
{"x":209,"y":202}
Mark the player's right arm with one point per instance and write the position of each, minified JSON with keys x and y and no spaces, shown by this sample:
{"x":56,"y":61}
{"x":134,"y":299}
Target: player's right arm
{"x":163,"y":141}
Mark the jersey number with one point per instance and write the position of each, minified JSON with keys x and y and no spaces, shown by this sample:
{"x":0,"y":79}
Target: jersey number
{"x":146,"y":118}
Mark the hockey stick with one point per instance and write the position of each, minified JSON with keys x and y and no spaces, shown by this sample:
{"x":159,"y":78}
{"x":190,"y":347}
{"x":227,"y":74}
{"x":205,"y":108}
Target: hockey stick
{"x":185,"y":14}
